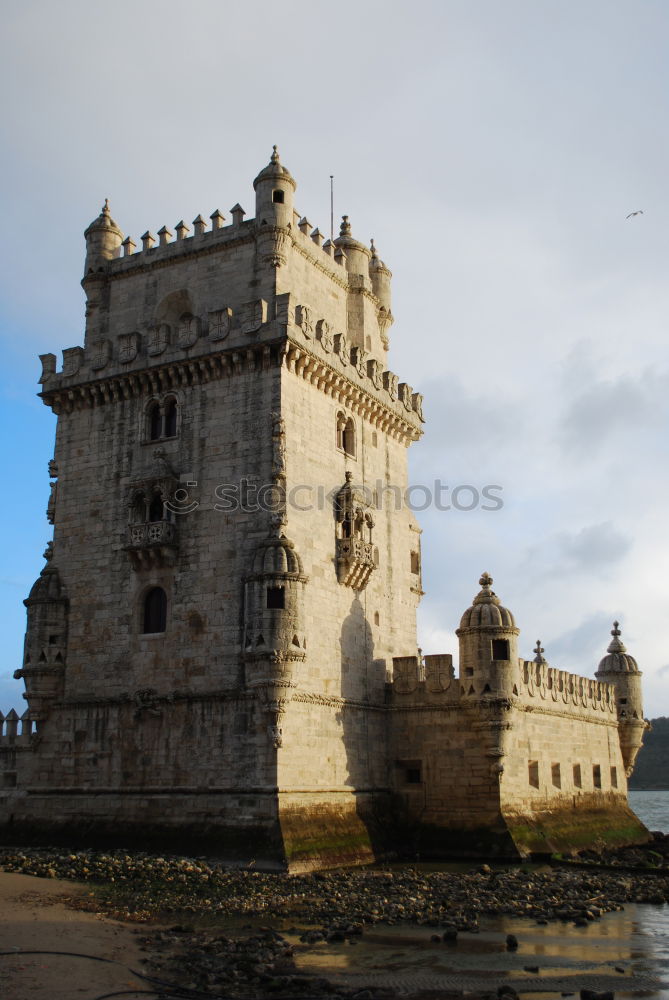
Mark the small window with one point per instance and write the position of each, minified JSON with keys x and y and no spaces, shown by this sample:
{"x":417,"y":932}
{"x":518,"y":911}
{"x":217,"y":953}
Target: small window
{"x":277,"y":197}
{"x":555,"y":776}
{"x":377,"y":619}
{"x":348,"y":438}
{"x":500,"y":649}
{"x":596,"y":776}
{"x":171,"y":418}
{"x":276,"y":597}
{"x":533,"y":773}
{"x":155,"y":422}
{"x":578,"y":781}
{"x":155,"y":611}
{"x":415,"y":563}
{"x":614,"y":777}
{"x":412,"y":776}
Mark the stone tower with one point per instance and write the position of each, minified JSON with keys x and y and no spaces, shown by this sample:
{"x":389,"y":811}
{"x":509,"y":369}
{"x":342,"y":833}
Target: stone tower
{"x":209,"y":644}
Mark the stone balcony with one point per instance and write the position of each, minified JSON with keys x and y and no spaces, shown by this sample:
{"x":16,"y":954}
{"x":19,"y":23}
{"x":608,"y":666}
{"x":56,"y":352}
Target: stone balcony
{"x":355,"y":562}
{"x":152,"y":543}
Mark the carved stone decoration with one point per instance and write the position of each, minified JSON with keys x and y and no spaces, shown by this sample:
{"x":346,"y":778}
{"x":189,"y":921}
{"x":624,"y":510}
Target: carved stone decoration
{"x":53,"y":469}
{"x":254,"y":315}
{"x":353,"y":542}
{"x":405,"y":674}
{"x":390,"y":384}
{"x":72,"y":360}
{"x":439,"y":672}
{"x":303,"y":319}
{"x":128,"y":347}
{"x":285,"y":309}
{"x":188,"y":332}
{"x":101,"y":354}
{"x":220,"y":323}
{"x":359,"y":360}
{"x":149,"y":703}
{"x":375,"y":372}
{"x":417,"y":404}
{"x":324,"y":334}
{"x":51,"y":506}
{"x":43,"y":670}
{"x":404,"y":393}
{"x":159,"y":339}
{"x":273,"y":242}
{"x":341,"y":348}
{"x":278,"y":445}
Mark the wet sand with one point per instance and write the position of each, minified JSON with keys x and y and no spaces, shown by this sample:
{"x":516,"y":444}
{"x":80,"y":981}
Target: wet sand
{"x":33,"y":916}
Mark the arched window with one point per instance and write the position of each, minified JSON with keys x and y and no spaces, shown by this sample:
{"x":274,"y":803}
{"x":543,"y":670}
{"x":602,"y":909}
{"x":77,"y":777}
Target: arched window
{"x":156,"y":509}
{"x":277,"y":197}
{"x":155,"y":422}
{"x":348,"y":438}
{"x":339,"y":434}
{"x":155,"y":611}
{"x":170,"y":418}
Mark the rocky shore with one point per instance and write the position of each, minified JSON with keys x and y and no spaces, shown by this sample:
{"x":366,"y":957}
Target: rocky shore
{"x":234,"y":932}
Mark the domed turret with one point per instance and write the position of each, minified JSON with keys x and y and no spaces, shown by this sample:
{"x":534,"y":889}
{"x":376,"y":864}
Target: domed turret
{"x":357,"y":254}
{"x":103,"y":241}
{"x":488,"y":644}
{"x":273,"y":614}
{"x":621,"y":670}
{"x":43,"y":670}
{"x":380,"y":277}
{"x":274,"y":187}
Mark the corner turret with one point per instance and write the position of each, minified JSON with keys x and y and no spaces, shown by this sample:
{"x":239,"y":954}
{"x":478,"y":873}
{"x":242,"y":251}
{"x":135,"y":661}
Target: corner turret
{"x":103,"y":241}
{"x":488,"y":639}
{"x":621,"y":670}
{"x":357,"y":255}
{"x":380,"y":277}
{"x":274,"y":187}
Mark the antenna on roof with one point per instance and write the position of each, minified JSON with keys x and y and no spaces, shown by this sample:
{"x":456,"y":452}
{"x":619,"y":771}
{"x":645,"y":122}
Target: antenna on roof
{"x":332,"y":206}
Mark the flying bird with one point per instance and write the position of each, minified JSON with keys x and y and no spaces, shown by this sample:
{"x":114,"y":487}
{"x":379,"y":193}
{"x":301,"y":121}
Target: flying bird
{"x":639,"y":212}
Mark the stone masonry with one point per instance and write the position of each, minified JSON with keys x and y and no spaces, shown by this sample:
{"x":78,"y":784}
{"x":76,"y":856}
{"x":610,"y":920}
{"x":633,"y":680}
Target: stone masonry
{"x":221,"y":648}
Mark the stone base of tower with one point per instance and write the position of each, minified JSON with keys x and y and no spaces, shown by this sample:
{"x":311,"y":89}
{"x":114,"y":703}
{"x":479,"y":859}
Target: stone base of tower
{"x":590,"y":826}
{"x":332,"y":830}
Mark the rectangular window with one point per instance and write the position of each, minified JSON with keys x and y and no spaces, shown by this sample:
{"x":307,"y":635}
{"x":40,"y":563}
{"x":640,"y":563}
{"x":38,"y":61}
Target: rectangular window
{"x":578,"y":783}
{"x":555,"y":775}
{"x":614,"y":777}
{"x":596,"y":776}
{"x":533,"y":773}
{"x":412,"y":776}
{"x":500,"y":649}
{"x":276,"y":597}
{"x":415,"y":563}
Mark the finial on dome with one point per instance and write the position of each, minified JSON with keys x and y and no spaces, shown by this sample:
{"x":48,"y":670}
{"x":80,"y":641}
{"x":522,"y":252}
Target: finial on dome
{"x":539,"y":651}
{"x":105,"y":207}
{"x":274,"y":158}
{"x":372,"y":248}
{"x":616,"y":645}
{"x":486,"y":581}
{"x":345,"y":228}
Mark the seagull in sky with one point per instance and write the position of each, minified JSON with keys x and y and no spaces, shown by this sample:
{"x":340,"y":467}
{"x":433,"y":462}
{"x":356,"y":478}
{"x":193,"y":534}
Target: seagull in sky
{"x":632,"y":214}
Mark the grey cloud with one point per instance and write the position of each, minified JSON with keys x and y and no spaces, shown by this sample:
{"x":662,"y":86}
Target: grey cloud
{"x":580,"y":649}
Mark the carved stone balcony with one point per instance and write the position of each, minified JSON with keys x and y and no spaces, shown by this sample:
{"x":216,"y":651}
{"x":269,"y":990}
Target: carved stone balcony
{"x":355,"y":562}
{"x":152,"y":543}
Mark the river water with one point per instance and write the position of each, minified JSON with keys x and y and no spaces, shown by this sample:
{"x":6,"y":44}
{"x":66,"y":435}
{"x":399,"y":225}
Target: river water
{"x":625,"y":952}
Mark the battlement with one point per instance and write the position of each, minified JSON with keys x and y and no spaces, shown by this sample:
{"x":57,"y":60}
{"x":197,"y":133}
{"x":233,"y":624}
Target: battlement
{"x":540,"y":682}
{"x":10,"y":725}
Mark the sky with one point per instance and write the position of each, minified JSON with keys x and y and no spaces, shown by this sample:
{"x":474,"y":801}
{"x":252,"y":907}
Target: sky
{"x":494,"y":151}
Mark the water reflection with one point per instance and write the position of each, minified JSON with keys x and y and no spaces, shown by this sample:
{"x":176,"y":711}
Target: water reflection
{"x":627,"y":951}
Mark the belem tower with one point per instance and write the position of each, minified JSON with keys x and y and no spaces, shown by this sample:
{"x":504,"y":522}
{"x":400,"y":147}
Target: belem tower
{"x":241,"y":674}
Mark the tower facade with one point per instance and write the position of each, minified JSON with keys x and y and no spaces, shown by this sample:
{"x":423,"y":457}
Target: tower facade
{"x":224,"y":591}
{"x":221,"y":648}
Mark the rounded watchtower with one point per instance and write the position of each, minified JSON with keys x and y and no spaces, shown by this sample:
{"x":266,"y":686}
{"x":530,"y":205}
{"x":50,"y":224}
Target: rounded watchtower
{"x":357,"y":254}
{"x":380,"y":277}
{"x":103,"y":241}
{"x":620,"y":669}
{"x":488,"y":645}
{"x":274,"y":187}
{"x":274,"y":636}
